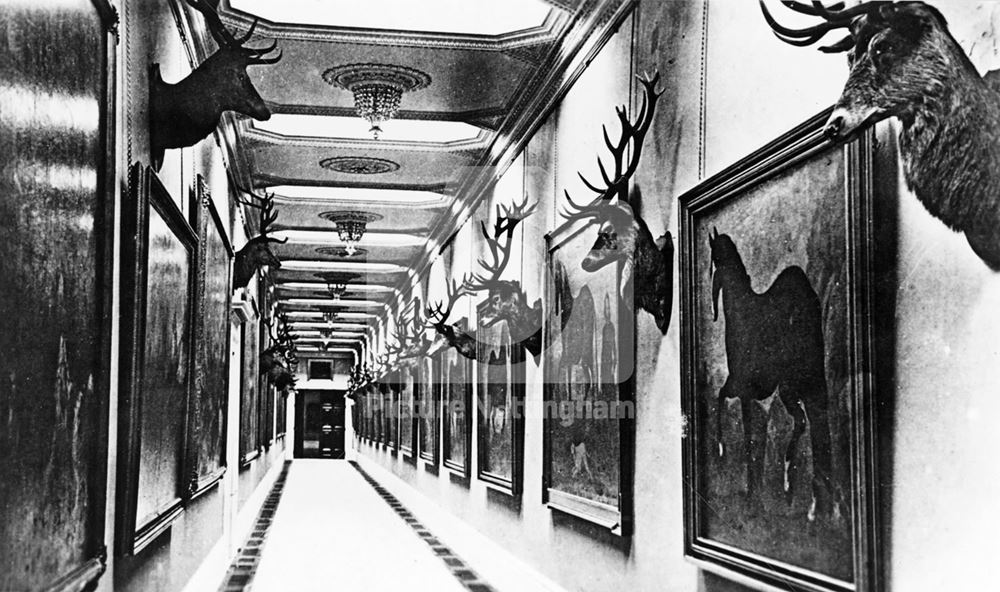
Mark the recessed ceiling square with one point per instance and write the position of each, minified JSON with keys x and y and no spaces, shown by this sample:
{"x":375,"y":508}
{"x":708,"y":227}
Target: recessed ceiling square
{"x":355,"y":128}
{"x":470,"y":17}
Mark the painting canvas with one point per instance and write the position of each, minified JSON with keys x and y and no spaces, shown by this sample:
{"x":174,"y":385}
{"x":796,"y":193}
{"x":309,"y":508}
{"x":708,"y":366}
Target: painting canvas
{"x":456,"y":400}
{"x":390,"y":398}
{"x":249,"y":416}
{"x":774,"y":346}
{"x":500,"y":434}
{"x":408,"y":384}
{"x":208,"y":422}
{"x":157,"y":332}
{"x":588,"y":368}
{"x":55,"y":299}
{"x":430,"y":400}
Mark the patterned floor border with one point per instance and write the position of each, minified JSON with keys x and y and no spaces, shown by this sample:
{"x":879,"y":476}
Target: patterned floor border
{"x":458,"y":567}
{"x":244,"y":565}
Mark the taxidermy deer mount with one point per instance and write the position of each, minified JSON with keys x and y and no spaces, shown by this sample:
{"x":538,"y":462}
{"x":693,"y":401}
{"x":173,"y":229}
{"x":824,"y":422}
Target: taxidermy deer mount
{"x":506,"y":300}
{"x":257,"y":252}
{"x":905,"y":64}
{"x":280,"y":359}
{"x":184,"y":113}
{"x":411,"y":341}
{"x":648,"y":264}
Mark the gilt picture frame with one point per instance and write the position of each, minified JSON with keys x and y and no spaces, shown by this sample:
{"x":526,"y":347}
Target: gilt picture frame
{"x":211,"y":392}
{"x":588,"y":387}
{"x":780,"y":470}
{"x":500,"y":407}
{"x":429,"y":417}
{"x":457,"y":409}
{"x":409,"y":385}
{"x":159,"y":251}
{"x":58,"y":293}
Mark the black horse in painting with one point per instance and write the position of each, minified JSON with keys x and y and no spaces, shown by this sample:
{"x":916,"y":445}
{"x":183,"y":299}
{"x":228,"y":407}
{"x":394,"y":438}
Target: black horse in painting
{"x":774,"y":341}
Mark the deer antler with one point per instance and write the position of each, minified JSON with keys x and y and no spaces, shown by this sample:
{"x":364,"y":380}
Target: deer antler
{"x":439,"y":312}
{"x":227,"y":40}
{"x":499,"y":244}
{"x":835,"y":15}
{"x":266,"y":210}
{"x":632,"y":134}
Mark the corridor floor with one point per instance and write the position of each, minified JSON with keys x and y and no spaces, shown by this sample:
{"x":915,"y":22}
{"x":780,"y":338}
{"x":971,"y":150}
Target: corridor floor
{"x":336,"y":528}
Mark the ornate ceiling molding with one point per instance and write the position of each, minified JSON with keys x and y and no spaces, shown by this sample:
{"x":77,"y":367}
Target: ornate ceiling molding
{"x":359,"y":165}
{"x":257,"y":136}
{"x":341,"y":253}
{"x":547,"y":32}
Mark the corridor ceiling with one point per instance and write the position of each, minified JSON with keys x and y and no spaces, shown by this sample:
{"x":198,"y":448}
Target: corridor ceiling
{"x":495,"y":68}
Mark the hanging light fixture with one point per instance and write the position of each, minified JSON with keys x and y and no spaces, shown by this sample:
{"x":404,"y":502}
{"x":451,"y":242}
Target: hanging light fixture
{"x":351,"y":226}
{"x":331,"y":318}
{"x":336,"y":290}
{"x":377,"y":89}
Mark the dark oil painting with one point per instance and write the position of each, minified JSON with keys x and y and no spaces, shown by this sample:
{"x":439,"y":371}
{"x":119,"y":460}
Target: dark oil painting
{"x":587,"y":367}
{"x":409,"y":383}
{"x":500,"y":406}
{"x":215,"y":266}
{"x":430,"y":401}
{"x":54,"y":300}
{"x":456,"y":391}
{"x":775,"y":398}
{"x":249,"y":414}
{"x":166,"y":367}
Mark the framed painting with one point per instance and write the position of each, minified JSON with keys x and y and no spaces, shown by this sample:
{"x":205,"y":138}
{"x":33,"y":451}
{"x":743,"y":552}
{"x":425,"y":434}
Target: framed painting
{"x":589,"y":408}
{"x":249,"y":401}
{"x":57,"y":196}
{"x":429,"y":417}
{"x":456,"y":400}
{"x":500,"y":433}
{"x":408,"y":386}
{"x":390,"y":399}
{"x":777,"y":358}
{"x":159,"y":251}
{"x":211,"y":393}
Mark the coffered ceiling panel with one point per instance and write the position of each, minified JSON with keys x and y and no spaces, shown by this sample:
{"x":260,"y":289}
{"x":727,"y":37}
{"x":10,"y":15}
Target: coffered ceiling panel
{"x":462,"y":81}
{"x":299,"y":163}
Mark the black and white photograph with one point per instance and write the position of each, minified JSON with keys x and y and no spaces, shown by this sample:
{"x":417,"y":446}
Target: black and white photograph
{"x":519,"y":295}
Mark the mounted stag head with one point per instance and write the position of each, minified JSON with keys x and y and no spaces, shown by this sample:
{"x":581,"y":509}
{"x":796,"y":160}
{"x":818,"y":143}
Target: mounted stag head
{"x":257,"y":252}
{"x":183,"y":114}
{"x":411,"y":342}
{"x":506,"y":301}
{"x":280,"y":359}
{"x":905,"y":64}
{"x":623,"y":235}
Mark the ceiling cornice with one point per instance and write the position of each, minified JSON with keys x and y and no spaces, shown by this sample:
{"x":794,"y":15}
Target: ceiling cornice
{"x":547,"y":32}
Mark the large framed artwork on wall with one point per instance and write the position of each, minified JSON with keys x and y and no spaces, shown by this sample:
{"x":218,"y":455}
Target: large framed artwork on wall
{"x":430,"y":401}
{"x":500,"y":433}
{"x":408,"y":386}
{"x":57,"y":188}
{"x":207,"y":419}
{"x":249,"y":384}
{"x":589,"y":421}
{"x":456,"y":400}
{"x":390,"y":400}
{"x":158,"y":265}
{"x":777,"y":359}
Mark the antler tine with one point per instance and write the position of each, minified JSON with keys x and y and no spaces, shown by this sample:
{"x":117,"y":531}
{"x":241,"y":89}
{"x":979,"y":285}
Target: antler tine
{"x":811,"y":9}
{"x":218,"y":30}
{"x":246,"y":36}
{"x":632,"y":133}
{"x":835,"y":15}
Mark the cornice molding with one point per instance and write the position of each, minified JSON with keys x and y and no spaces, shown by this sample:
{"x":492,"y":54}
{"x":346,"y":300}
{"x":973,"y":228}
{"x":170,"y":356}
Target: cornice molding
{"x":547,"y":32}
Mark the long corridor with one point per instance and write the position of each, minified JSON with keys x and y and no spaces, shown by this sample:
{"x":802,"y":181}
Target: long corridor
{"x":330,"y":524}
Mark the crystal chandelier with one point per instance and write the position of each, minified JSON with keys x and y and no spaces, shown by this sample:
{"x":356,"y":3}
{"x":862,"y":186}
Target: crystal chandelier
{"x":336,"y":290}
{"x":351,"y":227}
{"x":331,"y":318}
{"x":377,"y":89}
